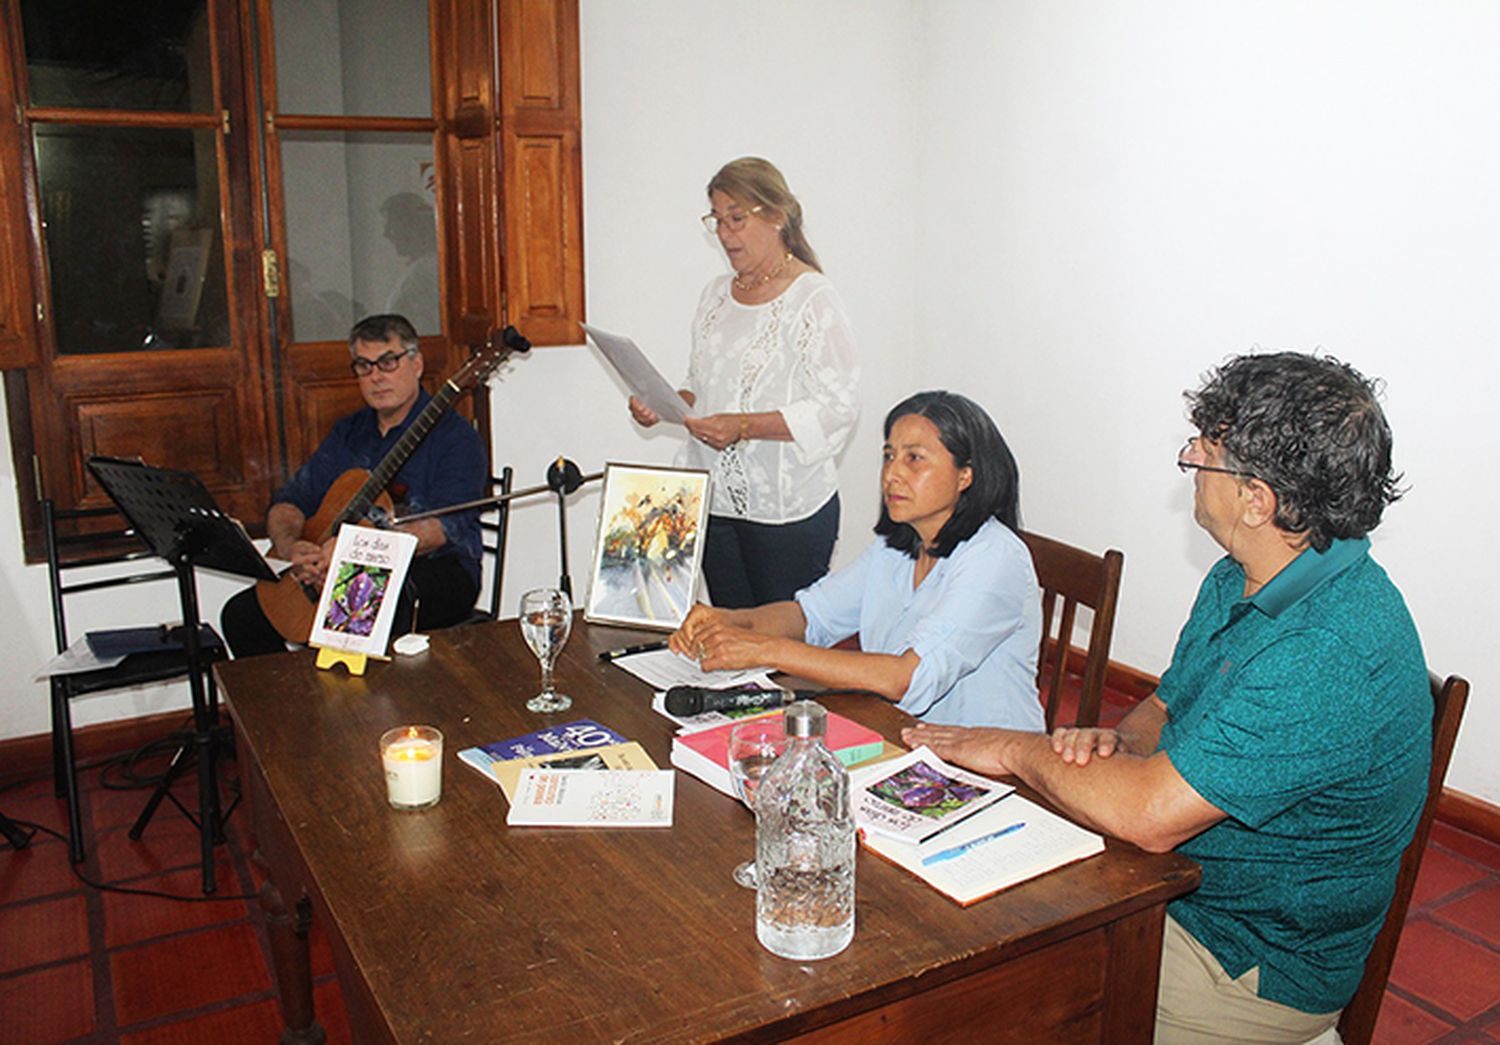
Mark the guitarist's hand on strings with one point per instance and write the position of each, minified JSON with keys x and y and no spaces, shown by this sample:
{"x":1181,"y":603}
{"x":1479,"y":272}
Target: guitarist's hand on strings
{"x":284,"y":525}
{"x":310,"y":561}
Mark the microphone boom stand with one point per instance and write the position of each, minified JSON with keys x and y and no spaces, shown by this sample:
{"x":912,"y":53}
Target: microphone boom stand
{"x":563,"y":478}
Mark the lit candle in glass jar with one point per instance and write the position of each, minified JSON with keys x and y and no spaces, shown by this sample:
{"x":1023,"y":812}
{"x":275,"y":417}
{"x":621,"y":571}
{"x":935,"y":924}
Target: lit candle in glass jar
{"x":413,"y":760}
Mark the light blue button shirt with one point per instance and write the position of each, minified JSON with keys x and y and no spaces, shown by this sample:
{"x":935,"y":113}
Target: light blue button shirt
{"x":975,"y":622}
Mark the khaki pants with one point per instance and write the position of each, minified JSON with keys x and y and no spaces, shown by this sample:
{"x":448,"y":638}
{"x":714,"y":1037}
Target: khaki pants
{"x":1197,"y":1001}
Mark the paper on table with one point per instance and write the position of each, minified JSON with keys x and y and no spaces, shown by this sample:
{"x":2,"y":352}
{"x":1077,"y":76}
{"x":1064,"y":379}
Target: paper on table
{"x":1046,"y":842}
{"x":603,"y":798}
{"x":639,"y":374}
{"x":663,"y":669}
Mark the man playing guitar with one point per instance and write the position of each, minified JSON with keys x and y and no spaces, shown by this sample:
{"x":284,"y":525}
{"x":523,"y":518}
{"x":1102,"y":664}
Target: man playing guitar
{"x":447,"y":467}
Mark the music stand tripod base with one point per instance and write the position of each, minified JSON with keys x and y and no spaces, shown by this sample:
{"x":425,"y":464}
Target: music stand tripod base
{"x":176,"y":517}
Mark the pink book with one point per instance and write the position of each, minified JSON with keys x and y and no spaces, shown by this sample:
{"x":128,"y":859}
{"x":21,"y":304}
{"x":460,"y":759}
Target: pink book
{"x":705,"y":754}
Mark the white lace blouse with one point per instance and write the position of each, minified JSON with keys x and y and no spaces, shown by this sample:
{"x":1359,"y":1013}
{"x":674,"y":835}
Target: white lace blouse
{"x":793,"y":354}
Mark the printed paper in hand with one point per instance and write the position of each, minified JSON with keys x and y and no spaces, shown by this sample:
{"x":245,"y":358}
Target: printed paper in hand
{"x":361,"y":590}
{"x":606,"y":798}
{"x":639,"y":374}
{"x":917,"y":796}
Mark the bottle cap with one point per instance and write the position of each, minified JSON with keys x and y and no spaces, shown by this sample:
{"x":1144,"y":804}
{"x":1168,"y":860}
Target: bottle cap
{"x":806,"y":718}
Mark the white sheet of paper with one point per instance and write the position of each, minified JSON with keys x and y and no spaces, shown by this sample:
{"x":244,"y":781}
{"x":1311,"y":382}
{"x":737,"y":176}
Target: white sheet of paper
{"x":639,"y":374}
{"x":75,"y":659}
{"x":662,"y":669}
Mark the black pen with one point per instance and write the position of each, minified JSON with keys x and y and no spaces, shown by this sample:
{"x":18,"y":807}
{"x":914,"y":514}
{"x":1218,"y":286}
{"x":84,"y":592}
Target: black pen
{"x":645,"y":647}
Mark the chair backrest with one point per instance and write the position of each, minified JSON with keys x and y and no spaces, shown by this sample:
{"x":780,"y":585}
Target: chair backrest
{"x":1071,"y":577}
{"x":493,"y":535}
{"x":66,"y":553}
{"x":1357,"y":1023}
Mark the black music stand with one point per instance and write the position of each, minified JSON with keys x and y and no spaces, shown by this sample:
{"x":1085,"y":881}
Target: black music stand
{"x":176,"y":516}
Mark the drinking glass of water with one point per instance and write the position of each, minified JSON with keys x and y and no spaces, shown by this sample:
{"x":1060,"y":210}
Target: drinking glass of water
{"x":546,"y":619}
{"x":753,"y":746}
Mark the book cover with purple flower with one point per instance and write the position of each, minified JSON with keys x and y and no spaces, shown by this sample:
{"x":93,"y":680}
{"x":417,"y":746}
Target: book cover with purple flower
{"x":359,"y":597}
{"x":918,"y":795}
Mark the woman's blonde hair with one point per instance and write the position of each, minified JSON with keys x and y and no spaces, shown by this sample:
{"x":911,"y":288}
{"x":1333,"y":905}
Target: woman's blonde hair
{"x":755,"y":182}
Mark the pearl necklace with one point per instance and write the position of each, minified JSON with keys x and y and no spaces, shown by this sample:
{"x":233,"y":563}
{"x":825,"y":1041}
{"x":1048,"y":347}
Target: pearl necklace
{"x":760,"y":281}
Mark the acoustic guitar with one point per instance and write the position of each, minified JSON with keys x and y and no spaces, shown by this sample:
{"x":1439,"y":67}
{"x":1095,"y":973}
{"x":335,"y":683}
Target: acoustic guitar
{"x":356,"y":495}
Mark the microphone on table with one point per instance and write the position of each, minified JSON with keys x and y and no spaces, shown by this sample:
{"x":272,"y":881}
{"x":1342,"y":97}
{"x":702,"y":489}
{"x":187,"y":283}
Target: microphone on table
{"x":683,"y":701}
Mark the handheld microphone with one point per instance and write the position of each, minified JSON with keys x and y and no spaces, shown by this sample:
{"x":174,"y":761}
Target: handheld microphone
{"x":683,"y":701}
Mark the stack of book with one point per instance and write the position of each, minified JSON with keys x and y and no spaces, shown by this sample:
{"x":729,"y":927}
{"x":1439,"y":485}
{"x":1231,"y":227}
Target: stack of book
{"x":540,"y":775}
{"x":705,"y":752}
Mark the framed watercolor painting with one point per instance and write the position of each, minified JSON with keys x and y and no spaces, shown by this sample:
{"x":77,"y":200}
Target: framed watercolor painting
{"x":648,"y":549}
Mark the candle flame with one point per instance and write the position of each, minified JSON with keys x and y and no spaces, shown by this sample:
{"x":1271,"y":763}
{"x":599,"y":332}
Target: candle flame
{"x":411,"y":731}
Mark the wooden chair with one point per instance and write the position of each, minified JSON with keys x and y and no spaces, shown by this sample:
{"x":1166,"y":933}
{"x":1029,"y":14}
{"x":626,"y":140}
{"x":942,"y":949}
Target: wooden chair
{"x":492,"y":537}
{"x":1357,"y":1023}
{"x":1077,"y":578}
{"x":63,"y":559}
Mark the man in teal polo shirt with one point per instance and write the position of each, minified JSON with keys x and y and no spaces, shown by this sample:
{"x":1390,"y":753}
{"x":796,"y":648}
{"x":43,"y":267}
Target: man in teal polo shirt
{"x":1287,"y":747}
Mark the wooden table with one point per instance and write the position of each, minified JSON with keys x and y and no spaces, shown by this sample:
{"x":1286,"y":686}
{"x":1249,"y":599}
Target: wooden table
{"x":446,"y":925}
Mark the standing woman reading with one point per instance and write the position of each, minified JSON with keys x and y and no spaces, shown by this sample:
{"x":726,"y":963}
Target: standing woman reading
{"x":773,"y":382}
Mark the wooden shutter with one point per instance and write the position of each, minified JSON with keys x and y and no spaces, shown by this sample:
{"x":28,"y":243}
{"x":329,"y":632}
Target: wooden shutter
{"x":541,"y":169}
{"x":18,"y":343}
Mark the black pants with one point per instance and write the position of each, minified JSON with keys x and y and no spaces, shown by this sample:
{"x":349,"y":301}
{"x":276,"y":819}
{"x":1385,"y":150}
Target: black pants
{"x":750,"y":563}
{"x":441,"y":588}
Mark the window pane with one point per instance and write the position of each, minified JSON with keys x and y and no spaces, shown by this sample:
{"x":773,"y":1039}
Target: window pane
{"x":361,"y":230}
{"x":352,"y":57}
{"x":131,"y":219}
{"x":147,"y":54}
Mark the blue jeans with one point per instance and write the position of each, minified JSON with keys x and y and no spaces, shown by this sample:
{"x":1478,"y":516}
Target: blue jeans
{"x":750,"y":564}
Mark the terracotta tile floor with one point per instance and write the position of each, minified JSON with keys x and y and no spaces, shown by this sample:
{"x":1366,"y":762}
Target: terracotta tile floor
{"x":82,"y":965}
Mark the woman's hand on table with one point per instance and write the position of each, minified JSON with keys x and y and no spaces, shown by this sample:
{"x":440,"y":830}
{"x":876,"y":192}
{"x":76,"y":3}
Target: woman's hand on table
{"x":726,"y":647}
{"x":685,"y":639}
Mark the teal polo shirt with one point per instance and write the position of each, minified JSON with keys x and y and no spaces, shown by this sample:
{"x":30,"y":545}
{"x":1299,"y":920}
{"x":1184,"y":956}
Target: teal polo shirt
{"x":1304,"y":713}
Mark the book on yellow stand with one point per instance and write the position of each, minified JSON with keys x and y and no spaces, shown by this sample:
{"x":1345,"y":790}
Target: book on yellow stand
{"x":360,"y":593}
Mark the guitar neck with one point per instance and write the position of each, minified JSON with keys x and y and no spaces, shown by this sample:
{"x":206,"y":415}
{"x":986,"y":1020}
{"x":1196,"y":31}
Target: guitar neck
{"x":384,"y":472}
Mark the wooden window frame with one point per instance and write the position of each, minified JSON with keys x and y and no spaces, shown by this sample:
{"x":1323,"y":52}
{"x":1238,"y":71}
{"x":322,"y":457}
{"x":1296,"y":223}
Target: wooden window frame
{"x":507,"y":147}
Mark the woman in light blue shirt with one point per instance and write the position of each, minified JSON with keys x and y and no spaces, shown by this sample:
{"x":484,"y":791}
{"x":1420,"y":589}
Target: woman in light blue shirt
{"x":946,"y":607}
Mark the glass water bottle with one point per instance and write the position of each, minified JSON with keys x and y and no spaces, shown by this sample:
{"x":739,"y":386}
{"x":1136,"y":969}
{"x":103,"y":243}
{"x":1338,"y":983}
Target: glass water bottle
{"x":804,"y":845}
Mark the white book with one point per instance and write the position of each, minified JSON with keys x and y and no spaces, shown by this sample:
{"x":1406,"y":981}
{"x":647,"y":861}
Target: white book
{"x":988,"y":852}
{"x":919,"y":796}
{"x":603,"y":798}
{"x":360,"y":594}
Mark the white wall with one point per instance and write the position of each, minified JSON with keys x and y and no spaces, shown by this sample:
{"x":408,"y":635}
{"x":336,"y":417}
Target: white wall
{"x":1119,"y":195}
{"x":1067,"y":210}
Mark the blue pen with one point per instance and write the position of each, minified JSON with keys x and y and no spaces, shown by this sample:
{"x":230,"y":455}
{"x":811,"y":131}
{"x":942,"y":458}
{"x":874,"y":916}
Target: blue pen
{"x":960,"y":850}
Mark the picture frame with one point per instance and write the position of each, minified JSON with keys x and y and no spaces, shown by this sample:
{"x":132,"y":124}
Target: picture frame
{"x":648,"y":546}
